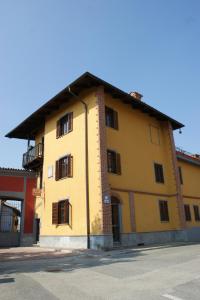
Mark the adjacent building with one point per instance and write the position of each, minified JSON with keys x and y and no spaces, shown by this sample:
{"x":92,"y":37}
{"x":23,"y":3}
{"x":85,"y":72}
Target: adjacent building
{"x":108,"y":171}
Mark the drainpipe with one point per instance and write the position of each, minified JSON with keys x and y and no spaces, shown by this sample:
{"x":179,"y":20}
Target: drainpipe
{"x":86,"y":165}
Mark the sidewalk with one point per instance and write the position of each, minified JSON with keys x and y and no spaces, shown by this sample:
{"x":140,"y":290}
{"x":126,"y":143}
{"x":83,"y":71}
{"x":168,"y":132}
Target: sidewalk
{"x":34,"y":253}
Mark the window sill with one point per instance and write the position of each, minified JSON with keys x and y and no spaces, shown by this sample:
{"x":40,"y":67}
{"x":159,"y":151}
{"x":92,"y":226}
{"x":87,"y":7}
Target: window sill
{"x":165,"y":222}
{"x":112,"y":128}
{"x":58,"y":137}
{"x":63,"y":224}
{"x":113,"y":173}
{"x":63,"y":178}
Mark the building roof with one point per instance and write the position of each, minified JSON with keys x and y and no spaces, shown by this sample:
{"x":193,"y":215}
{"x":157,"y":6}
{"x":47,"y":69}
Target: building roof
{"x":187,"y":156}
{"x":30,"y":126}
{"x":16,"y":172}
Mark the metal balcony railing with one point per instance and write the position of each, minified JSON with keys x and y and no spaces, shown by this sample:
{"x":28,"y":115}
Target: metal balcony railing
{"x":180,"y":150}
{"x":33,"y":157}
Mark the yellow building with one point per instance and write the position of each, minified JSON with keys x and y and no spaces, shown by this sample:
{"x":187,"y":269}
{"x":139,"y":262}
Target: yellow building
{"x":108,"y":172}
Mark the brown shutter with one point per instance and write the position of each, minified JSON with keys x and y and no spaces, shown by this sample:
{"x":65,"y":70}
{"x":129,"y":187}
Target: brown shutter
{"x":70,"y":119}
{"x":66,"y":212}
{"x":55,"y":213}
{"x":70,"y":166}
{"x":116,"y":126}
{"x":57,"y":170}
{"x":118,"y":163}
{"x":58,"y":129}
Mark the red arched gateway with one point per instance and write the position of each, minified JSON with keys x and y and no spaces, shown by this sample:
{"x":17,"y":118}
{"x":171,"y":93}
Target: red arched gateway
{"x":17,"y":185}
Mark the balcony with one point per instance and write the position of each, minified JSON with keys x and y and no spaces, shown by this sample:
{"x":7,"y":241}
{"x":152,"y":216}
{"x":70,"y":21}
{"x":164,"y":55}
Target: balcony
{"x":33,"y":158}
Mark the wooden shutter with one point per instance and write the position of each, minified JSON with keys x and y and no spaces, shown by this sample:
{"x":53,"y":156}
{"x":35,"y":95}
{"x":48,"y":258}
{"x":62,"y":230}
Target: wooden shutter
{"x":57,"y":171}
{"x":70,"y":166}
{"x":55,"y":213}
{"x":118,"y":163}
{"x":58,"y":129}
{"x":115,"y":116}
{"x":66,"y":212}
{"x":70,"y":120}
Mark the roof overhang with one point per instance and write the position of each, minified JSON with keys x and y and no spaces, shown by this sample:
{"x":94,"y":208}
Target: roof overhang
{"x":188,"y":158}
{"x":31,"y":125}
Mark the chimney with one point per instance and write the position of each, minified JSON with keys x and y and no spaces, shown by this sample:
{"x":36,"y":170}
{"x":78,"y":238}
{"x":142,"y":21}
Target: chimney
{"x":136,"y":95}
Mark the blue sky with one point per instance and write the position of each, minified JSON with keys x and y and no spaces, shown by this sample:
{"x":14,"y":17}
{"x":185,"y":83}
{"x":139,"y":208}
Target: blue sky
{"x":151,"y":46}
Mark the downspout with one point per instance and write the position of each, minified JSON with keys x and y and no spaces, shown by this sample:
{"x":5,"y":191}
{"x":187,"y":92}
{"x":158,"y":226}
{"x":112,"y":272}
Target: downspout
{"x":86,"y":165}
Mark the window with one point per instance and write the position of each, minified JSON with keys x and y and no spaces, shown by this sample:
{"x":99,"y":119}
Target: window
{"x":113,"y":161}
{"x":196,"y":213}
{"x":187,"y":212}
{"x":111,"y":118}
{"x":61,"y":212}
{"x":159,"y":176}
{"x":180,"y":175}
{"x":64,"y":167}
{"x":64,"y":125}
{"x":164,"y":214}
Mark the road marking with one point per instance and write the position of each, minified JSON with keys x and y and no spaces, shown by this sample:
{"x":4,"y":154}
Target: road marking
{"x":171,"y":297}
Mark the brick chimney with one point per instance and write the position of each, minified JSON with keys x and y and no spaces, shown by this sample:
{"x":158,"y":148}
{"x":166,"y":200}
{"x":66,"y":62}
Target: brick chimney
{"x":136,"y":95}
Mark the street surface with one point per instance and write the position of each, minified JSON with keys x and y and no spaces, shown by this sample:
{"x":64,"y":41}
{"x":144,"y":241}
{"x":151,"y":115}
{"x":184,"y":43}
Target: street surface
{"x":156,"y":273}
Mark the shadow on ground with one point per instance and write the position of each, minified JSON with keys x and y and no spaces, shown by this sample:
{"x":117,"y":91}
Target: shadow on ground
{"x":52,"y":262}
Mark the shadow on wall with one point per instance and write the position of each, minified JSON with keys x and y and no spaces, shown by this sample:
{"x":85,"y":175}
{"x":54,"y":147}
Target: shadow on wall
{"x":96,"y":227}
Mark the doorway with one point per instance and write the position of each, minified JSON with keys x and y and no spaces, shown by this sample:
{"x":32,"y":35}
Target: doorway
{"x":10,"y":222}
{"x":115,"y":206}
{"x":37,"y":231}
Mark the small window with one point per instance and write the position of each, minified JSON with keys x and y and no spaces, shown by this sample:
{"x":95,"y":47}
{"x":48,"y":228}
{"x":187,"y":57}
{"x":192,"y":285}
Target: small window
{"x":180,"y":175}
{"x":164,"y":214}
{"x":61,"y":212}
{"x":159,"y":176}
{"x":64,"y":125}
{"x":187,"y":212}
{"x":111,"y":118}
{"x":114,"y":162}
{"x":196,"y":213}
{"x":64,"y":167}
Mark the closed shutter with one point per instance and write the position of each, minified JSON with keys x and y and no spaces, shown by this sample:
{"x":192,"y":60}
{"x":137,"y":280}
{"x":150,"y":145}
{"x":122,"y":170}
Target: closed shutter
{"x":70,"y":120}
{"x":70,"y":166}
{"x":118,"y":163}
{"x":66,"y":212}
{"x":58,"y":129}
{"x":55,"y":213}
{"x":57,"y":171}
{"x":115,"y":116}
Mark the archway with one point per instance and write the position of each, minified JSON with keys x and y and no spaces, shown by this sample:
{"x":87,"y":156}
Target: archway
{"x":16,"y":207}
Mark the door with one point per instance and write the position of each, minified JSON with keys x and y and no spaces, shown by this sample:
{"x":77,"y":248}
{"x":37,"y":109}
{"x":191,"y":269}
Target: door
{"x":37,"y":231}
{"x":115,"y":222}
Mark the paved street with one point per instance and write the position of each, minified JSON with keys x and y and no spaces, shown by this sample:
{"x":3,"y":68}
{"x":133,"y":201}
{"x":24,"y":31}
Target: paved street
{"x":144,"y":273}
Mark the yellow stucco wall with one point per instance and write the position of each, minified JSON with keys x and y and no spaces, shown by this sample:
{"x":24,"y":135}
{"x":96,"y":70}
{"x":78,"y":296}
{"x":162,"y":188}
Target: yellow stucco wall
{"x":139,"y":149}
{"x":141,"y":140}
{"x":72,"y":188}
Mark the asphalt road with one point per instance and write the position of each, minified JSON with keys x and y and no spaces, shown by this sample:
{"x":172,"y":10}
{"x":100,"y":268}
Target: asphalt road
{"x":157,"y":273}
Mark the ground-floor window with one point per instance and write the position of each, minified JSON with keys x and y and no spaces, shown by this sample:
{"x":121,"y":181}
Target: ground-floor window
{"x":187,"y":212}
{"x":196,"y":213}
{"x":164,"y":214}
{"x":61,"y":212}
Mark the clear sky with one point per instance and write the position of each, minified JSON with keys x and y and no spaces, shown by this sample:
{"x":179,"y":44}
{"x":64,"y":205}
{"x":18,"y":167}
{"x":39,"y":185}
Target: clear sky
{"x":152,"y":46}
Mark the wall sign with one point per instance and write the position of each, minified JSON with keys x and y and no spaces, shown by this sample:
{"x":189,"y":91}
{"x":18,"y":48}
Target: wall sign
{"x":107,"y":199}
